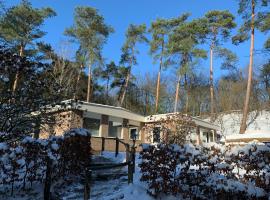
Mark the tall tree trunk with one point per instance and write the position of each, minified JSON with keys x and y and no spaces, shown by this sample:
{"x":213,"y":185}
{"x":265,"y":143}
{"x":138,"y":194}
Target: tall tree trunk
{"x":249,"y":83}
{"x":157,"y":89}
{"x":125,"y":87}
{"x":15,"y":83}
{"x":177,"y":93}
{"x":211,"y":83}
{"x":107,"y":86}
{"x":158,"y":79}
{"x":187,"y":93}
{"x":127,"y":79}
{"x":146,"y":103}
{"x":77,"y":82}
{"x":89,"y":84}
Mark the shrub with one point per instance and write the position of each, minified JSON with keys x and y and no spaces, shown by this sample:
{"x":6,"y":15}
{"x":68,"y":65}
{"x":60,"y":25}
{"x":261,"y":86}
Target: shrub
{"x":207,"y":172}
{"x":26,"y":162}
{"x":163,"y":158}
{"x":170,"y":129}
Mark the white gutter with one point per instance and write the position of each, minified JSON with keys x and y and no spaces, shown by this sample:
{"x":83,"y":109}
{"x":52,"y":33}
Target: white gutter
{"x":106,"y":110}
{"x":198,"y":122}
{"x":126,"y":114}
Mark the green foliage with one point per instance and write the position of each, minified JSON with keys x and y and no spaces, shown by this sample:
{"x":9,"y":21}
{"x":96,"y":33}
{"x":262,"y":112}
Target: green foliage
{"x":160,"y":30}
{"x":20,"y":25}
{"x":107,"y":74}
{"x":229,"y":58}
{"x":219,"y":25}
{"x":23,"y":110}
{"x":264,"y":19}
{"x":119,"y":77}
{"x":183,"y":45}
{"x":109,"y":70}
{"x":261,"y":21}
{"x":135,"y":34}
{"x":90,"y":31}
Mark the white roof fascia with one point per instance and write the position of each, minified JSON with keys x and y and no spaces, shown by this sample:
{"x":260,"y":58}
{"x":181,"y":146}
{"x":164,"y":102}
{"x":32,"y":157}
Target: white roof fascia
{"x":198,"y":122}
{"x":205,"y":124}
{"x":126,"y":114}
{"x":108,"y":110}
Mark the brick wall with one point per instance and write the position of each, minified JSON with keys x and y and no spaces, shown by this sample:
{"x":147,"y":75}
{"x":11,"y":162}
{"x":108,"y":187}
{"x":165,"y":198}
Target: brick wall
{"x":61,"y":121}
{"x":96,"y":144}
{"x":65,"y":120}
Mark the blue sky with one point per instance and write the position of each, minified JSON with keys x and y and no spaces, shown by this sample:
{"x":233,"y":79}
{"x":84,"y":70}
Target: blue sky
{"x":120,"y":13}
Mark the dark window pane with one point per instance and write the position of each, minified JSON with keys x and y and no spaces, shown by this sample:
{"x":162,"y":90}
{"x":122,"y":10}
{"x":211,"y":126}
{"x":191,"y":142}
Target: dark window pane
{"x":92,"y":125}
{"x":156,"y":134}
{"x":114,"y":129}
{"x":133,"y":134}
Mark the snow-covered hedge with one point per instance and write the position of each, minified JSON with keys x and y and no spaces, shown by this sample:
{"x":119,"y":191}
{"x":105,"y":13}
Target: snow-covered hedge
{"x":23,"y":163}
{"x":207,"y":172}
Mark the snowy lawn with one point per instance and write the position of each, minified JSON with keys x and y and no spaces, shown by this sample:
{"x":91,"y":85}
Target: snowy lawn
{"x":135,"y":191}
{"x":112,"y":184}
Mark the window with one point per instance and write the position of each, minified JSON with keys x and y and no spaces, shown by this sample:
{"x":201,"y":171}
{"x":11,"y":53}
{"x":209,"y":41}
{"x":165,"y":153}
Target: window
{"x":92,"y":125}
{"x":156,"y":135}
{"x":134,"y":133}
{"x":115,"y":129}
{"x":207,"y":137}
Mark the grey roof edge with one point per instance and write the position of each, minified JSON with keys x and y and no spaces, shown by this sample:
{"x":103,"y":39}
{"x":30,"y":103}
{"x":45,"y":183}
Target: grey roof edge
{"x":102,"y":105}
{"x":133,"y":113}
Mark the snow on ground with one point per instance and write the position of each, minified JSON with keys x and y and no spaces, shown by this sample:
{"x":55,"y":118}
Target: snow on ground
{"x":230,"y":122}
{"x":262,"y":134}
{"x":135,"y":191}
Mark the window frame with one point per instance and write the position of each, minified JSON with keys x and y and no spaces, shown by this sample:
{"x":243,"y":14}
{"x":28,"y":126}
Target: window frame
{"x":121,"y":135}
{"x":99,"y":134}
{"x":138,"y":132}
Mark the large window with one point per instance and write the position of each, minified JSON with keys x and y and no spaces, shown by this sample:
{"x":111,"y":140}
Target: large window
{"x":114,"y":129}
{"x":134,"y":133}
{"x":92,"y":125}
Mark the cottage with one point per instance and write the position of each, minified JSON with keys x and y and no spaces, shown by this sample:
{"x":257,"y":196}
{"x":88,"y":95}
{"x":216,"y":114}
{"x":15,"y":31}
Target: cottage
{"x":105,"y":121}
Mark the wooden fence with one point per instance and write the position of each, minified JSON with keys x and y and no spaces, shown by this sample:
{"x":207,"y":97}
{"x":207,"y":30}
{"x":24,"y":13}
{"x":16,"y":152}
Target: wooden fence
{"x":130,"y":162}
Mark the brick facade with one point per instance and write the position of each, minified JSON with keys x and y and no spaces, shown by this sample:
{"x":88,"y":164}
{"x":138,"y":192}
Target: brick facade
{"x":61,"y":121}
{"x":65,"y":120}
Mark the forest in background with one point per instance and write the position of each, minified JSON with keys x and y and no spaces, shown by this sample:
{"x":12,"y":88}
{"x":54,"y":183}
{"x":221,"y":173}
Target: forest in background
{"x":177,"y":44}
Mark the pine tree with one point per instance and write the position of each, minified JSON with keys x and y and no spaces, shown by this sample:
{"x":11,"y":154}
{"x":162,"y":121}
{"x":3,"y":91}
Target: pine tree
{"x":91,"y":33}
{"x":219,"y":25}
{"x":107,"y":74}
{"x":135,"y":34}
{"x":183,"y":45}
{"x":251,"y":20}
{"x":160,"y":30}
{"x":81,"y":61}
{"x":20,"y":27}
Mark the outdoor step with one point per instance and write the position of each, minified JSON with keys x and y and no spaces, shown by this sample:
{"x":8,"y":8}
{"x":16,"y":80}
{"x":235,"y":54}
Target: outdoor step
{"x":107,"y":176}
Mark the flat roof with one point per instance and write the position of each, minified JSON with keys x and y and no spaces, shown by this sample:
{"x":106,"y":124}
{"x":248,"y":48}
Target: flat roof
{"x":120,"y":112}
{"x":106,"y":110}
{"x":198,"y":121}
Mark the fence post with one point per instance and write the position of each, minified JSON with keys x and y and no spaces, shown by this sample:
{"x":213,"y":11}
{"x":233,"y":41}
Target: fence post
{"x":127,"y":153}
{"x":130,"y":172}
{"x":87,"y":185}
{"x":103,"y":144}
{"x":133,"y":159}
{"x":116,"y":146}
{"x":129,"y":161}
{"x":47,"y":185}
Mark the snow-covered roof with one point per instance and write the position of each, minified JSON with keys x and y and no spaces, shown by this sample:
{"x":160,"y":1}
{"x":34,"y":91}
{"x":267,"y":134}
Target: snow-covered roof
{"x":127,"y":114}
{"x":250,"y":135}
{"x":198,"y":121}
{"x":105,"y":110}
